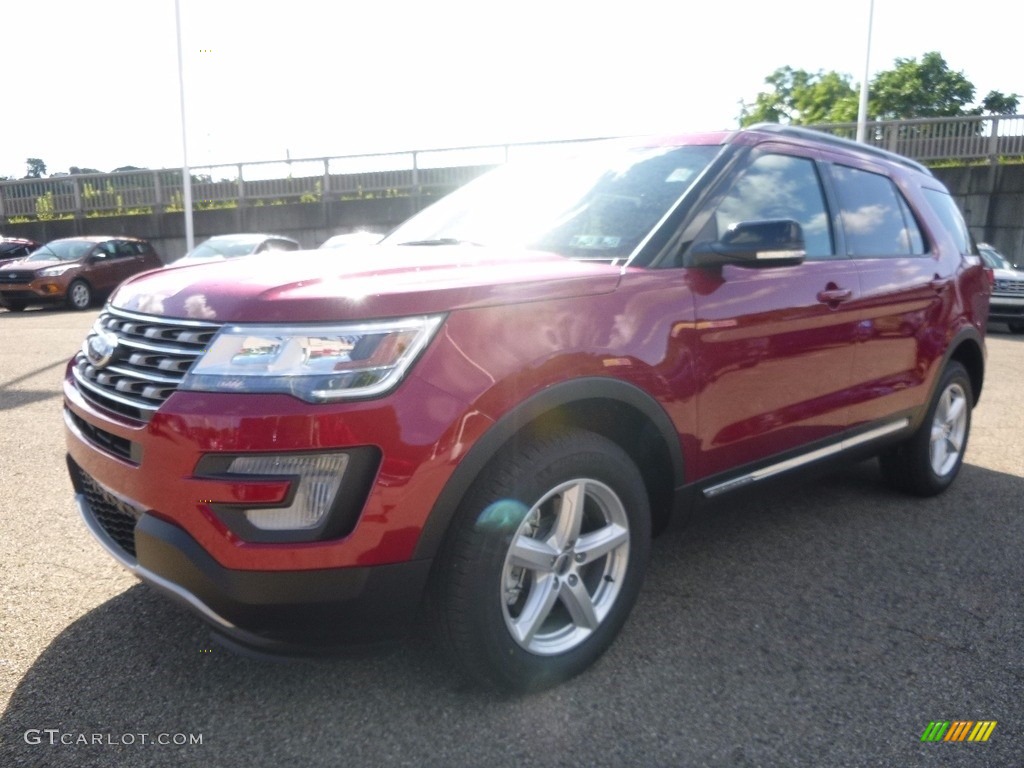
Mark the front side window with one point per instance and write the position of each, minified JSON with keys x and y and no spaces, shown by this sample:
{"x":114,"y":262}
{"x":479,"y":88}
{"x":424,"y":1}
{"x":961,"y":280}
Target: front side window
{"x":778,"y":186}
{"x":877,"y":221}
{"x":600,"y":204}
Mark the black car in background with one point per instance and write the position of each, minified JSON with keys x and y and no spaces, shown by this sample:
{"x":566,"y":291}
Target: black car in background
{"x":15,"y":248}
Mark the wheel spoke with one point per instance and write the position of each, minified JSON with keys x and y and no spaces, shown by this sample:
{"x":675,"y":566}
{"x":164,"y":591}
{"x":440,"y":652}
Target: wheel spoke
{"x":569,"y":516}
{"x":532,"y":554}
{"x":955,"y":411}
{"x":542,"y":599}
{"x":577,"y":601}
{"x":599,"y":543}
{"x":938,"y":451}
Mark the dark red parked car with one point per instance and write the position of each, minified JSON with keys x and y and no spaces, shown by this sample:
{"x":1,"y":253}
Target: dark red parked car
{"x":489,"y":416}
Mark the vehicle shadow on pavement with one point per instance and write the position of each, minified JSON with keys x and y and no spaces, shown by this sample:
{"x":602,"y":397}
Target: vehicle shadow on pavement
{"x":820,"y":621}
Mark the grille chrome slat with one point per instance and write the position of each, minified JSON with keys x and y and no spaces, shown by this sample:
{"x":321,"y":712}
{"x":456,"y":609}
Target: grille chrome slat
{"x":157,"y":353}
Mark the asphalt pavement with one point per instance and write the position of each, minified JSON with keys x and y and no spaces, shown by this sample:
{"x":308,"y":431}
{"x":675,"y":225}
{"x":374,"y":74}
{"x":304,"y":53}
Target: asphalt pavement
{"x":822,"y":621}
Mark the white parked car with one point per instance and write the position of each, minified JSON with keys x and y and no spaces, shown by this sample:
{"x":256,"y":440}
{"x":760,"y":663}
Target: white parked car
{"x":352,"y":238}
{"x":220,"y":247}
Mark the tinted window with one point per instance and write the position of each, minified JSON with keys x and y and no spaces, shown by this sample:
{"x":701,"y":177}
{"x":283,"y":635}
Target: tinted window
{"x":947,"y":211}
{"x":876,"y":219}
{"x":780,"y":187}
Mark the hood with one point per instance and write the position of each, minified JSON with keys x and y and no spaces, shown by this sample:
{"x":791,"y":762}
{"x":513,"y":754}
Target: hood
{"x":360,"y":283}
{"x":32,"y":266}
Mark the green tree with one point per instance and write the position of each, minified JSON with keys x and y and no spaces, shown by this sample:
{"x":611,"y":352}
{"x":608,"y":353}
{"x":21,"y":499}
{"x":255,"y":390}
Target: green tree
{"x":912,"y":88}
{"x":996,"y":103}
{"x":801,"y":97}
{"x":36,"y":168}
{"x":926,"y":88}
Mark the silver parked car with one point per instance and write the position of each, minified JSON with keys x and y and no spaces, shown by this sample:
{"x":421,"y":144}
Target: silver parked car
{"x":1007,"y":303}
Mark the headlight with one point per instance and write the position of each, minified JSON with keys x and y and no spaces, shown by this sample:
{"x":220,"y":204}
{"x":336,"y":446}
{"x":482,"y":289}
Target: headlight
{"x":55,"y":271}
{"x":314,"y":363}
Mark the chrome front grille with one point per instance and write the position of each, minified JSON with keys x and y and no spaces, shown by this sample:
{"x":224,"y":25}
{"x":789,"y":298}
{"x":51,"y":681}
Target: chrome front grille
{"x":151,"y":357}
{"x":1009,"y":287}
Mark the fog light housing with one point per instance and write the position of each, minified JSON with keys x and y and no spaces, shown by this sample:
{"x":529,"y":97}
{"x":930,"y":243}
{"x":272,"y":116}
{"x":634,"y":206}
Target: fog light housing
{"x":325,"y":496}
{"x":317,"y":480}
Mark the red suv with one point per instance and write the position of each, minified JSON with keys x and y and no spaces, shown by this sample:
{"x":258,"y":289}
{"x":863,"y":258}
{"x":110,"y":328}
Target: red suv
{"x":487,"y":417}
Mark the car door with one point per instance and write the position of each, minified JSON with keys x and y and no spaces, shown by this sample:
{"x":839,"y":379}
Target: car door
{"x":111,"y":262}
{"x":774,"y":345}
{"x":905,"y":283}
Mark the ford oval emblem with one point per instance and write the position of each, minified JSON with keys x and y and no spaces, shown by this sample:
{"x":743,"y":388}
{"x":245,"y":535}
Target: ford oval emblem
{"x":100,"y":348}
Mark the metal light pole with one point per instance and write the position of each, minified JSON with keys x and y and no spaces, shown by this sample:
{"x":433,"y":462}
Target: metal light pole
{"x":862,"y":109}
{"x":186,"y":176}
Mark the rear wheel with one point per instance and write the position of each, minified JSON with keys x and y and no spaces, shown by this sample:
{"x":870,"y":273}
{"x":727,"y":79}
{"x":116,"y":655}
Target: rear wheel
{"x":928,"y":462}
{"x":543,"y":563}
{"x":79,"y":295}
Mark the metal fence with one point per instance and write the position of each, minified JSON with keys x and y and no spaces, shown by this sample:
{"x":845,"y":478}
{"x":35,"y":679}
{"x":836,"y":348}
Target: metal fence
{"x":420,"y":172}
{"x":943,"y":138}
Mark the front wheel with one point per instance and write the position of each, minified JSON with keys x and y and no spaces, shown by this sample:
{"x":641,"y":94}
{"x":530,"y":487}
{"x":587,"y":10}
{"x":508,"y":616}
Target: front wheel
{"x":79,"y":295}
{"x":928,"y":462}
{"x":543,"y":562}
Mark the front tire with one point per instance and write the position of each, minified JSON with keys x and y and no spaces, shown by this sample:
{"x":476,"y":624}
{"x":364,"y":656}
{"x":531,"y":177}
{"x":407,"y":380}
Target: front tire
{"x":544,"y":561}
{"x":928,"y":462}
{"x":79,"y":295}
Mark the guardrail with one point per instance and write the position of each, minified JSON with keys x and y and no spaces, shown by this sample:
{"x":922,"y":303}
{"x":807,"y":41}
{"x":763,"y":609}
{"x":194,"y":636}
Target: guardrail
{"x":310,"y":180}
{"x":943,"y":138}
{"x":420,"y":172}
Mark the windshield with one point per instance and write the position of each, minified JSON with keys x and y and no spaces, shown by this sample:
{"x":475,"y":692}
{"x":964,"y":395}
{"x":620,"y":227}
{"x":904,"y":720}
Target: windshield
{"x":994,"y":258}
{"x":61,"y":250}
{"x":597,"y":205}
{"x":216,"y":248}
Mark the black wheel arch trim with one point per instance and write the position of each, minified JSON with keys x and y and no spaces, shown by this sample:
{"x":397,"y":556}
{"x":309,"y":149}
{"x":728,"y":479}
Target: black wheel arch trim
{"x":966,"y":335}
{"x":527,"y":412}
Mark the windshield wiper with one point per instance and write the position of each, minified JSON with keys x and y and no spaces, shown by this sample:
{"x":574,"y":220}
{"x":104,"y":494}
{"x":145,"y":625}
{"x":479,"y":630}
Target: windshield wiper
{"x":442,"y":241}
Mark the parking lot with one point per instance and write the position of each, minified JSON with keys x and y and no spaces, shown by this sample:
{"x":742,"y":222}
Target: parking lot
{"x":822,"y":621}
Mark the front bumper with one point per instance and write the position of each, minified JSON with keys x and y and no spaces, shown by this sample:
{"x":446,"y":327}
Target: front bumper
{"x":1006,"y":309}
{"x":292,"y":612}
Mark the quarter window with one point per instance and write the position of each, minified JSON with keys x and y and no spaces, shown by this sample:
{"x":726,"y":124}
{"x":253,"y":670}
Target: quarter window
{"x":877,"y":221}
{"x":951,"y":218}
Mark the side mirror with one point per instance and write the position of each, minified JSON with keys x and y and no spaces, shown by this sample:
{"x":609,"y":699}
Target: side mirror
{"x":768,"y":243}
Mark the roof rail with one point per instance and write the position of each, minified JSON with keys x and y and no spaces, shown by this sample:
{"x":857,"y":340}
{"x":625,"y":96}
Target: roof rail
{"x":838,"y":141}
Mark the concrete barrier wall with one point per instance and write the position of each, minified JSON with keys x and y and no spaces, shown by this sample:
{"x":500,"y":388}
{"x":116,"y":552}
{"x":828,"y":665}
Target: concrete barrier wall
{"x":991,"y":197}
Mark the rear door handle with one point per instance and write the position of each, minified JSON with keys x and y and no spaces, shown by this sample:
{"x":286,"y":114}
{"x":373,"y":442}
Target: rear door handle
{"x":939,"y":284}
{"x":834,"y":295}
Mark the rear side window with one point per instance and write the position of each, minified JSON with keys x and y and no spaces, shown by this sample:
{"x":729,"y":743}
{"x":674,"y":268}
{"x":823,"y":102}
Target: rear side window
{"x":946,"y":209}
{"x":877,"y":221}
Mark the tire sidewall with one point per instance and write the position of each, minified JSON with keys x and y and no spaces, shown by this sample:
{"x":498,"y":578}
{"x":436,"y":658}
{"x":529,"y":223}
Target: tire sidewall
{"x":581,"y":455}
{"x":954,"y":373}
{"x":71,"y":295}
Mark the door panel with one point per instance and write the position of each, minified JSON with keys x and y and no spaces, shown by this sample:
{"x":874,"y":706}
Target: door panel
{"x":775,"y":359}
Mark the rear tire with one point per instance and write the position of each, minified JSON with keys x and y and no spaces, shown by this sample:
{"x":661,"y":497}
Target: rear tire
{"x":543,"y":562}
{"x":79,"y":295}
{"x":928,"y":462}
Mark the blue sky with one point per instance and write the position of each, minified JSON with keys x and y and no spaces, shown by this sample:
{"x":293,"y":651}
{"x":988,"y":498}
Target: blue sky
{"x":96,"y":84}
